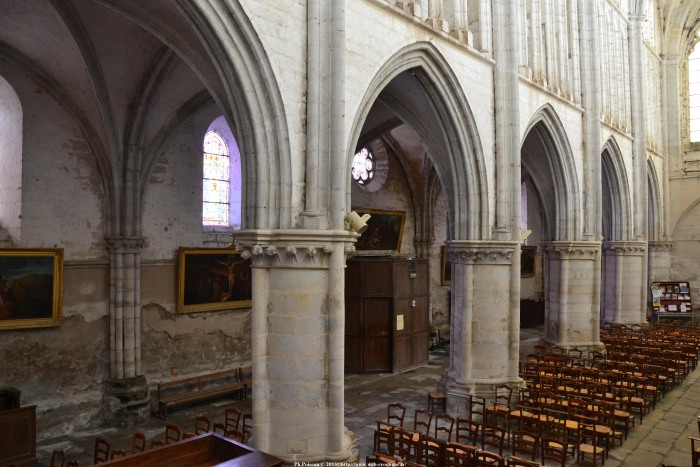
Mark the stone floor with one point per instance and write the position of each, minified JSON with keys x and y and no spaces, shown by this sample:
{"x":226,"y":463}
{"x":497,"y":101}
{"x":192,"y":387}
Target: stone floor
{"x":661,"y":439}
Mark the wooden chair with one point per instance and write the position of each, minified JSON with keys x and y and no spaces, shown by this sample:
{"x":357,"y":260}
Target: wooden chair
{"x":553,"y":450}
{"x":467,"y":432}
{"x":514,"y":461}
{"x":202,"y":424}
{"x":695,"y":451}
{"x":403,"y":445}
{"x":247,"y":427}
{"x":493,"y":437}
{"x":502,"y":402}
{"x":524,"y":443}
{"x":102,"y":450}
{"x":458,"y":455}
{"x":422,"y":421}
{"x":383,"y":436}
{"x":219,"y":428}
{"x":476,"y":407}
{"x":232,"y":418}
{"x":430,"y":451}
{"x":434,"y":398}
{"x":588,"y":445}
{"x":488,"y":459}
{"x":58,"y":458}
{"x":444,"y":423}
{"x":172,"y":433}
{"x":188,"y":435}
{"x":237,"y":435}
{"x":138,"y":442}
{"x":395,"y":414}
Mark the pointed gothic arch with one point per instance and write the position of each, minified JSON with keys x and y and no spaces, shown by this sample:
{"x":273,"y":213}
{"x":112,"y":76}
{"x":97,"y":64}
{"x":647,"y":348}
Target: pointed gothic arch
{"x":251,"y":101}
{"x":419,"y":86}
{"x":617,"y":217}
{"x":547,"y":157}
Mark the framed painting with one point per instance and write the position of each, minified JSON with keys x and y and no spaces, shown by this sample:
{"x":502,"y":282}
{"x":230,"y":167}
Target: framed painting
{"x":31,"y":287}
{"x":528,"y":256}
{"x":212,"y":279}
{"x":446,"y":267}
{"x":384,"y":231}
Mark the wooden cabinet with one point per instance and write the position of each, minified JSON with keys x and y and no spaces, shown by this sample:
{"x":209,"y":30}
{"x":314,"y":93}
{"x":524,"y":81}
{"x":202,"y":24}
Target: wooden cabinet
{"x":18,"y":436}
{"x":386,"y":314}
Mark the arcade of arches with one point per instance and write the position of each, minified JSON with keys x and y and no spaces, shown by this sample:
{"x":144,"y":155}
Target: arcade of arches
{"x":569,"y":120}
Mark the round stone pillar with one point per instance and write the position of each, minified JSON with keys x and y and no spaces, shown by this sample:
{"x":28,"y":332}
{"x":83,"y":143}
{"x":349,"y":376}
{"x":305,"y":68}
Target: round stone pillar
{"x":298,"y":334}
{"x":485,"y":328}
{"x":624,"y":282}
{"x":572,"y":280}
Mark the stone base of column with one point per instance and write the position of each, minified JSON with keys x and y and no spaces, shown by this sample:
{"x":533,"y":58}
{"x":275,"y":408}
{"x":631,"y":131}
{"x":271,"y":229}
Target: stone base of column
{"x":584,"y":346}
{"x":126,"y":401}
{"x":458,"y":391}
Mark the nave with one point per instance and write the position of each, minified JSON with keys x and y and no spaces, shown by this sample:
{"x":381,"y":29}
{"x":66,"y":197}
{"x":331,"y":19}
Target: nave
{"x":662,"y":437}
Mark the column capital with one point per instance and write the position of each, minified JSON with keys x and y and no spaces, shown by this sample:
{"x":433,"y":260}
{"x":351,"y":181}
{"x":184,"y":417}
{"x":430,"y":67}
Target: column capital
{"x":660,"y":247}
{"x":125,"y":244}
{"x":481,"y":252}
{"x":293,"y":248}
{"x":621,"y":248}
{"x":572,"y":250}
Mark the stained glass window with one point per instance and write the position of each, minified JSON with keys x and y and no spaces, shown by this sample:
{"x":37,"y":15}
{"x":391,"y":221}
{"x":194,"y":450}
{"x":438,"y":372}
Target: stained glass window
{"x":363,"y":166}
{"x":215,"y":206}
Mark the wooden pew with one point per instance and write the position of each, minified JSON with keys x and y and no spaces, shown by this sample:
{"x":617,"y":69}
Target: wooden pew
{"x":185,"y":390}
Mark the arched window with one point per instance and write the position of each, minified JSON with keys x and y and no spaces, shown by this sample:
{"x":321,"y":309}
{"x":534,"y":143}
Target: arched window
{"x":221,"y":178}
{"x":363,"y":166}
{"x":215,"y":204}
{"x":694,"y":94}
{"x":10,"y":165}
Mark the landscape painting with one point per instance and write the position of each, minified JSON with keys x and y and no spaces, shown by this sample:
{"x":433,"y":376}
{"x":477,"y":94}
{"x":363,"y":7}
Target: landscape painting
{"x":30,"y":287}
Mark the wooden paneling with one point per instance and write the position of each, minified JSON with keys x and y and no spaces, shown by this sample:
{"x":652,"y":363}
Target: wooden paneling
{"x":386,"y":318}
{"x":377,"y":279}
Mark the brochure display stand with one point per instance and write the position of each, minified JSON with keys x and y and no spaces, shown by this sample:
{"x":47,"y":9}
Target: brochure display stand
{"x":671,"y":300}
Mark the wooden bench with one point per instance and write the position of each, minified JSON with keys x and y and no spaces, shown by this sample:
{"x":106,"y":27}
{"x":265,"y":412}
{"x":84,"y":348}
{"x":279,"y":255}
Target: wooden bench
{"x":184,"y":390}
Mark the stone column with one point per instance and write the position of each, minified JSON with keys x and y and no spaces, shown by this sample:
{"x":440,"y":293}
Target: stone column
{"x":485,"y":328}
{"x":572,"y":288}
{"x":639,"y":130}
{"x":625,"y":282}
{"x":298,"y":334}
{"x":126,"y":393}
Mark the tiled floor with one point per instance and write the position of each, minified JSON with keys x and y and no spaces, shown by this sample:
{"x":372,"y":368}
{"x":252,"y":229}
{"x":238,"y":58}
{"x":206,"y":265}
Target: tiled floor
{"x":662,"y":438}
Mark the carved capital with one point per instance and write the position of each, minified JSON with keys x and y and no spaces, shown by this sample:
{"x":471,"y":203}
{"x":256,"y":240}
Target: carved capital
{"x":125,"y":244}
{"x":476,"y":252}
{"x":572,"y":250}
{"x":292,"y":248}
{"x":660,"y":247}
{"x":624,"y":248}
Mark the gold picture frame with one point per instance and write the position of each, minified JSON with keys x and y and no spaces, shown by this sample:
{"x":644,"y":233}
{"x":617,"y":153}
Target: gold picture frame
{"x":212,"y":279}
{"x":384,"y":231}
{"x":31,"y":287}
